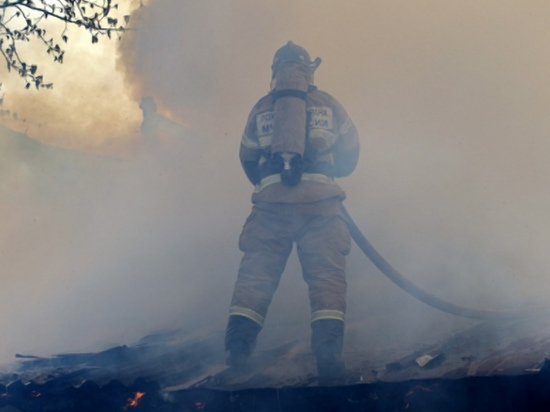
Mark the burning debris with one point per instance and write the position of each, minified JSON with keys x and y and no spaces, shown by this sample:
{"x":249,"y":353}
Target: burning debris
{"x":133,"y":402}
{"x":58,"y":395}
{"x":178,"y":372}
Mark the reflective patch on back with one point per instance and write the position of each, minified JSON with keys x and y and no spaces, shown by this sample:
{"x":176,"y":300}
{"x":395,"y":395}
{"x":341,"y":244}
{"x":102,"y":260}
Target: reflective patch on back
{"x":320,"y":117}
{"x":264,"y":123}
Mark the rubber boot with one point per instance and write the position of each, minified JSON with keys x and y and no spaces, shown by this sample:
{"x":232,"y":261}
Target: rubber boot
{"x":240,"y":341}
{"x":327,"y":340}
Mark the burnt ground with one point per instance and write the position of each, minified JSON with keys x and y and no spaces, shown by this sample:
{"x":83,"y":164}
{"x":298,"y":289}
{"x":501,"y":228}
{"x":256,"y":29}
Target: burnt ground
{"x":489,"y":366}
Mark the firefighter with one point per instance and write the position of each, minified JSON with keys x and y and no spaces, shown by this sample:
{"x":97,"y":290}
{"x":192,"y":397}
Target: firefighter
{"x":296,"y":141}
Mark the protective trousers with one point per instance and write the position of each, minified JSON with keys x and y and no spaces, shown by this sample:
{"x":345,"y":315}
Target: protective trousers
{"x":321,"y":234}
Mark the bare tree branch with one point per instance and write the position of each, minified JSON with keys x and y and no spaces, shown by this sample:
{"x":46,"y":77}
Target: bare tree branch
{"x":24,"y":21}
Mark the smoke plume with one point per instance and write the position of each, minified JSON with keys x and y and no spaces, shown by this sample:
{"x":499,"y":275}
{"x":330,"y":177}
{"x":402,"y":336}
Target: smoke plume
{"x":450,"y":100}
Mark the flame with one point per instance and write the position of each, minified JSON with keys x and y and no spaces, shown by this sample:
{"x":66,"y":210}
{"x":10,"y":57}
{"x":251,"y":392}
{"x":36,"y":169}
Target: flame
{"x":414,"y":390}
{"x":418,"y":387}
{"x":133,"y":402}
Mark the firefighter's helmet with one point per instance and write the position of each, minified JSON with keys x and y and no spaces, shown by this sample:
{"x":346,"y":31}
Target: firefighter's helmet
{"x":291,"y":52}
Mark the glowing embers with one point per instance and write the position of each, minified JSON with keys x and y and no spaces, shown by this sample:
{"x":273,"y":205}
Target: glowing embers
{"x":59,"y":395}
{"x":414,"y":391}
{"x":199,"y":405}
{"x":35,"y":394}
{"x":134,"y":401}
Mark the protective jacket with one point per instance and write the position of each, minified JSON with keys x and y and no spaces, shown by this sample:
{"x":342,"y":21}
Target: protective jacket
{"x":331,"y":150}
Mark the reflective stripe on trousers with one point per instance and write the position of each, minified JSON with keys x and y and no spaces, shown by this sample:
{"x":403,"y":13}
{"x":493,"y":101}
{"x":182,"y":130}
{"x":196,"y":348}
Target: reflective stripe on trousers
{"x":247,"y":313}
{"x":324,"y":314}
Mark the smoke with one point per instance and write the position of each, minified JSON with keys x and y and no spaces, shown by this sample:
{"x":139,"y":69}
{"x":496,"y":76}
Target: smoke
{"x":450,"y":100}
{"x":104,"y":251}
{"x":89,"y":107}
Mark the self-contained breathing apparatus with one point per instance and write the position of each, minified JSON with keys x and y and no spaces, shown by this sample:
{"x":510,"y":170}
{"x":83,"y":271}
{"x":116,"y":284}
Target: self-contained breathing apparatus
{"x":292,"y":77}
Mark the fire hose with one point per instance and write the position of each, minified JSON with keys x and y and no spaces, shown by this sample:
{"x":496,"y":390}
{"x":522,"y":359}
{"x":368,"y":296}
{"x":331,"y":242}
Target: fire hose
{"x":396,"y":277}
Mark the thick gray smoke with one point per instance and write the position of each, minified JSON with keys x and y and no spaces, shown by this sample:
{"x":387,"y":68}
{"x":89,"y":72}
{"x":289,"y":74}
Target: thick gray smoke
{"x":450,"y":100}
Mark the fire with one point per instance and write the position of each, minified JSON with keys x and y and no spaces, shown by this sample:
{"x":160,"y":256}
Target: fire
{"x":418,"y":387}
{"x":133,"y":402}
{"x":414,"y":390}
